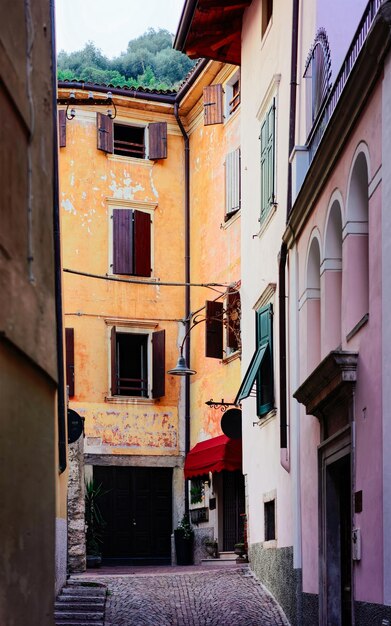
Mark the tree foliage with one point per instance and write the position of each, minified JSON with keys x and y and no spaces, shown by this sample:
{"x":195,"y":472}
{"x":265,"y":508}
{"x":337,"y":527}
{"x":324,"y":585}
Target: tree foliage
{"x":149,"y":61}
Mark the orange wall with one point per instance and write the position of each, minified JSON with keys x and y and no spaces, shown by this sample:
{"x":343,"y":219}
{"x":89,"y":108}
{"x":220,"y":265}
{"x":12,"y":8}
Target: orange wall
{"x":215,"y":257}
{"x":91,"y":183}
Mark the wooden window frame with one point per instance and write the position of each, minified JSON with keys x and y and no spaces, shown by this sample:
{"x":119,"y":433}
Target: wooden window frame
{"x":155,"y":386}
{"x":270,"y":519}
{"x":264,"y":337}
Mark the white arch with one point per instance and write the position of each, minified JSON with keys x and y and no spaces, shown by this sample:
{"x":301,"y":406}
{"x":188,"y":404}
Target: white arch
{"x":357,"y":192}
{"x":332,"y":236}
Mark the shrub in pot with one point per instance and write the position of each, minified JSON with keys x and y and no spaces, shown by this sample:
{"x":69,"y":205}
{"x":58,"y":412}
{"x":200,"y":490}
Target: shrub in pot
{"x":184,"y":539}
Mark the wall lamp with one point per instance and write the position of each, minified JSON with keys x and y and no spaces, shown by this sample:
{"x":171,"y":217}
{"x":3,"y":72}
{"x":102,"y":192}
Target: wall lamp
{"x":73,"y":101}
{"x":181,"y":368}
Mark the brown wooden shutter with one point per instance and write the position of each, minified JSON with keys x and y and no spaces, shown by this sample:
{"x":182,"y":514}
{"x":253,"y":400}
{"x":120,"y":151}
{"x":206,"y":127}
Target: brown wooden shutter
{"x":113,"y":357}
{"x":213,"y":105}
{"x":70,"y":360}
{"x":214,"y":330}
{"x":158,"y":363}
{"x":62,"y":128}
{"x":157,"y":140}
{"x":233,"y":318}
{"x":142,"y":243}
{"x":105,"y":132}
{"x":123,"y":240}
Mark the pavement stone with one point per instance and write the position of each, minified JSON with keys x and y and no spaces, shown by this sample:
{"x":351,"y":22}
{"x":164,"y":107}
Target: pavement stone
{"x":192,"y":597}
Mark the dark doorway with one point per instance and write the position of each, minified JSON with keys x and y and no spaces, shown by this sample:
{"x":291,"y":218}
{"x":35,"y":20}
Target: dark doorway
{"x":337,"y":542}
{"x":233,"y":509}
{"x":138,"y":513}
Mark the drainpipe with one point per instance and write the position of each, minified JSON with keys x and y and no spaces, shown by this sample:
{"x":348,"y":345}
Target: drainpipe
{"x":61,"y":400}
{"x":187,"y":289}
{"x":284,"y":249}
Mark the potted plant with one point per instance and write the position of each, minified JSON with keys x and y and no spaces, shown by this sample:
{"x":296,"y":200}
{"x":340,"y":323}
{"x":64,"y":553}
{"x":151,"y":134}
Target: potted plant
{"x":184,"y":538}
{"x":211,"y":547}
{"x":240,"y":550}
{"x":94,"y":523}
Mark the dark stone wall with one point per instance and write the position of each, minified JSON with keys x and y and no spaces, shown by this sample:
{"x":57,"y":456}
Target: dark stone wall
{"x":368,"y":614}
{"x":310,"y":609}
{"x":274,"y":568}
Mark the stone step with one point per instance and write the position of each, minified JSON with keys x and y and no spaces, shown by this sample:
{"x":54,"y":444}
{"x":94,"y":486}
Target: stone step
{"x":81,"y":598}
{"x":228,"y":556}
{"x":81,"y":593}
{"x":81,"y":606}
{"x":79,"y":615}
{"x":86,"y":584}
{"x":77,"y":623}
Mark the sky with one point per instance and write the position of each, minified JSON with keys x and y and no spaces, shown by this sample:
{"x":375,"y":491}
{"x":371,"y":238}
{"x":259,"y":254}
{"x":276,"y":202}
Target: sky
{"x":110,"y":24}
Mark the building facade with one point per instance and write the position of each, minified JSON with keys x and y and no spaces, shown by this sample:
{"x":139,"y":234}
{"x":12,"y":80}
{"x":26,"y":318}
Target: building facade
{"x":140,"y":262}
{"x":314,"y":294}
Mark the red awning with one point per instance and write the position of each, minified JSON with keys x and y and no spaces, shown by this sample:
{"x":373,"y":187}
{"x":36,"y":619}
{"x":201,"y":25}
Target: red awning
{"x":214,"y":455}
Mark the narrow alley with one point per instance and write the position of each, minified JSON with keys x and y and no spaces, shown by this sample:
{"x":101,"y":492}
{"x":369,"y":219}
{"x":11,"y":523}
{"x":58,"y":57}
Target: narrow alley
{"x":186,"y":596}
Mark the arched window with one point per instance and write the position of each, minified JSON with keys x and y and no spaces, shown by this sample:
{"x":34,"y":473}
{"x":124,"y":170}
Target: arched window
{"x":312,"y":304}
{"x":331,"y":279}
{"x":318,"y":75}
{"x":355,"y":246}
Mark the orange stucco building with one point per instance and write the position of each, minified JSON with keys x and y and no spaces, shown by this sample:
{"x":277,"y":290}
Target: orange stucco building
{"x":139,"y":235}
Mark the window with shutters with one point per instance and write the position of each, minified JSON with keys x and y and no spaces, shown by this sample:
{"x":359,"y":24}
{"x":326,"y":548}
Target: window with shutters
{"x":267,"y":138}
{"x":222,"y":326}
{"x":137,"y":363}
{"x":131,"y":242}
{"x":232,"y":184}
{"x":259,"y":379}
{"x":132,"y":140}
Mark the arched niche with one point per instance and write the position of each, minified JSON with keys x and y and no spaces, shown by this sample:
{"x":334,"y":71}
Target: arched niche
{"x":313,"y":291}
{"x":331,"y":278}
{"x":355,"y":245}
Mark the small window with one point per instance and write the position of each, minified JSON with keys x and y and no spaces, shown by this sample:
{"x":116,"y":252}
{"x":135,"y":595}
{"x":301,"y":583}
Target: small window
{"x":318,"y":76}
{"x":131,"y":242}
{"x":232,"y":184}
{"x":267,"y":12}
{"x":129,"y":141}
{"x":235,"y":100}
{"x":233,"y":315}
{"x":133,"y":362}
{"x":267,"y":138}
{"x":270,"y":520}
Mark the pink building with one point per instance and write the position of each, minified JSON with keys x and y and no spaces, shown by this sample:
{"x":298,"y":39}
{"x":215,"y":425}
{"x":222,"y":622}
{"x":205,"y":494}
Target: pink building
{"x":337,"y":264}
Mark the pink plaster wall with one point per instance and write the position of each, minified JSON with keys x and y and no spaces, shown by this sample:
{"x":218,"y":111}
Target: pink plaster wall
{"x":368,"y":574}
{"x":355,"y":280}
{"x":331,"y":285}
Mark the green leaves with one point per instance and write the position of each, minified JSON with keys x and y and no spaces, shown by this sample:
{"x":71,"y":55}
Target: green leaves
{"x":149,"y":61}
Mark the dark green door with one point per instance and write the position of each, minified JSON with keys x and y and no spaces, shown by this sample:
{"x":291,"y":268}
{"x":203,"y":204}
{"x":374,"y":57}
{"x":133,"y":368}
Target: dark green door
{"x":138,"y":514}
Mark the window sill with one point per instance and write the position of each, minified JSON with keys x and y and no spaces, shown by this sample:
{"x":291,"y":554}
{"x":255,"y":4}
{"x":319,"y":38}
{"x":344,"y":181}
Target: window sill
{"x":266,"y":419}
{"x":131,"y":160}
{"x":231,"y":220}
{"x":266,"y":221}
{"x":231,"y":357}
{"x":129,"y":400}
{"x":268,"y":545}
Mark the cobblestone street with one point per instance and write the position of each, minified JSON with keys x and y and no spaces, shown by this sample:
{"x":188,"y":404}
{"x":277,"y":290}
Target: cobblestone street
{"x":189,"y":597}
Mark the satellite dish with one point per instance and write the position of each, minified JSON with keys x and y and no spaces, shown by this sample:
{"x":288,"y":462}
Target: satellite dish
{"x":231,"y":423}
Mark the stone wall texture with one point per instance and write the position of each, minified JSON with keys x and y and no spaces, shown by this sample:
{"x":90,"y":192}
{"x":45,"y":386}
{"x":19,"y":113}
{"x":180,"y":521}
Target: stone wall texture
{"x":76,"y":491}
{"x":274,"y":568}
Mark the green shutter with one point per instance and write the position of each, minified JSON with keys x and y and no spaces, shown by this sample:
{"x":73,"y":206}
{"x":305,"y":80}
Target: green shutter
{"x":267,"y":138}
{"x":264,"y":379}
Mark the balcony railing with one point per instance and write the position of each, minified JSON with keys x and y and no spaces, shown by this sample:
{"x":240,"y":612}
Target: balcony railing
{"x":331,"y":102}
